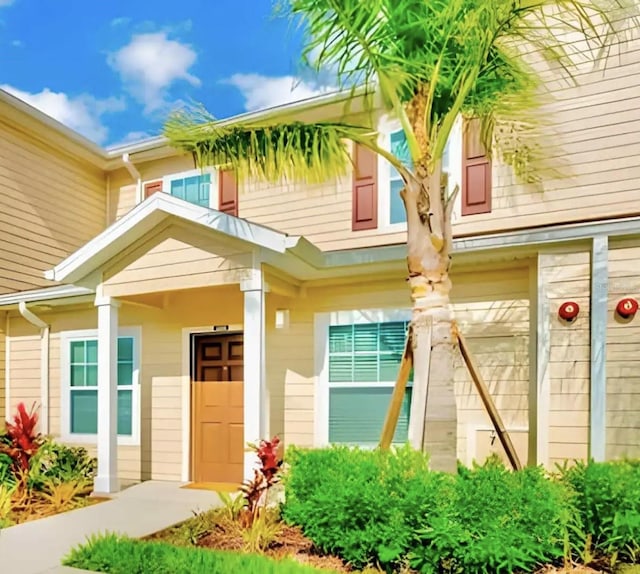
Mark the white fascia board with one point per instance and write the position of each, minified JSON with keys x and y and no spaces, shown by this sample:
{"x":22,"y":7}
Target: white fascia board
{"x":143,"y":218}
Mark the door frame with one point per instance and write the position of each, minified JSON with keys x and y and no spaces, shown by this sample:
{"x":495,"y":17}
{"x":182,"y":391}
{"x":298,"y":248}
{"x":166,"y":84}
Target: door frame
{"x":185,"y":394}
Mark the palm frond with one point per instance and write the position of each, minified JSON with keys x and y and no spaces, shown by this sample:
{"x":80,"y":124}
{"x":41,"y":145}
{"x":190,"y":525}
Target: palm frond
{"x":292,"y":151}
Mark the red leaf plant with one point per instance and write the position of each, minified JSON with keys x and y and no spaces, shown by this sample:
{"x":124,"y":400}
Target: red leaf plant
{"x":23,"y":440}
{"x":264,"y":477}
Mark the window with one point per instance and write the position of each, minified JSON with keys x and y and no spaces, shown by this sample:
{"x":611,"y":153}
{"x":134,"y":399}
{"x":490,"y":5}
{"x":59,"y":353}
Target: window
{"x":363,"y":363}
{"x":193,"y":188}
{"x":400,"y":149}
{"x":80,"y":387}
{"x":391,"y":206}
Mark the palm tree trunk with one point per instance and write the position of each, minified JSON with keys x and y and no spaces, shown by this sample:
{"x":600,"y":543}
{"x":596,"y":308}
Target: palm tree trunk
{"x":433,"y":417}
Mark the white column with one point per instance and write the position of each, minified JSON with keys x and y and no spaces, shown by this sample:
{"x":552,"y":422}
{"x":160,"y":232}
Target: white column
{"x":599,"y":318}
{"x":107,"y":478}
{"x":256,"y":396}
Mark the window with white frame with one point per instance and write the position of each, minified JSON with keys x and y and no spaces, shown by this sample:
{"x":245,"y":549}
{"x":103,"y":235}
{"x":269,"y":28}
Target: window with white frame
{"x":192,"y":187}
{"x":363,"y":362}
{"x":396,"y":213}
{"x":80,"y":386}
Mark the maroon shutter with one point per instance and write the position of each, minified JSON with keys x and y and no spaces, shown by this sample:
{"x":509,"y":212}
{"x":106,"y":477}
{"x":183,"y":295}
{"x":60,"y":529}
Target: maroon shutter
{"x":476,"y":172}
{"x":152,"y":187}
{"x":228,"y":192}
{"x":365,"y":189}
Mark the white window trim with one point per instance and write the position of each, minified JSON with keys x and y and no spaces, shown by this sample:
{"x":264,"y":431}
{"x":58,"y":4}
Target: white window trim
{"x":66,"y":338}
{"x":322,"y":322}
{"x":213,"y":192}
{"x":387,"y":126}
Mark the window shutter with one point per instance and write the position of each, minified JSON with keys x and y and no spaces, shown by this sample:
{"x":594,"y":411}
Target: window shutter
{"x":365,"y":189}
{"x":152,"y":187}
{"x":476,"y":172}
{"x":228,"y":192}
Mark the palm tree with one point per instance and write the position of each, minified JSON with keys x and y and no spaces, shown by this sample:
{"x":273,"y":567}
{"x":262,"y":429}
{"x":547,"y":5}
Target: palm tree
{"x":429,"y":62}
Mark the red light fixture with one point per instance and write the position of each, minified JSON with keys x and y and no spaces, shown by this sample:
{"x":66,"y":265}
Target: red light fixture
{"x":627,"y":307}
{"x":569,"y":311}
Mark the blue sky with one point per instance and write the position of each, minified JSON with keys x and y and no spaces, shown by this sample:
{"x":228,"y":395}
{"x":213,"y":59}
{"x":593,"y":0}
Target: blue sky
{"x":112,"y":70}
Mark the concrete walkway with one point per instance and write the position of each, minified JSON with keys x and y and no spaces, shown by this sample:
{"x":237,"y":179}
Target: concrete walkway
{"x":38,"y":547}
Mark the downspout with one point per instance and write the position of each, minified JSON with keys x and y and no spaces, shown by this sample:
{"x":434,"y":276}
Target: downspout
{"x":44,"y":363}
{"x":135,"y":174}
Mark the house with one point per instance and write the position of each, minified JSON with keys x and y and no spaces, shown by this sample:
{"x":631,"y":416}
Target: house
{"x":131,"y":281}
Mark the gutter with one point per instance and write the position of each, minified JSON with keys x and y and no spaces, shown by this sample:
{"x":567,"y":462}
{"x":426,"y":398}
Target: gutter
{"x":44,"y":363}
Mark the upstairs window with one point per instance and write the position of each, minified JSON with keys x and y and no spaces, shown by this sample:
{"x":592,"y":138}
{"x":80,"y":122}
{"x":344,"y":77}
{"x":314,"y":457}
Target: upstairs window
{"x":194,"y":189}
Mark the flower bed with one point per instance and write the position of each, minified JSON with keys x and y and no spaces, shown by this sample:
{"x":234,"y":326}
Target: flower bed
{"x":39,"y":477}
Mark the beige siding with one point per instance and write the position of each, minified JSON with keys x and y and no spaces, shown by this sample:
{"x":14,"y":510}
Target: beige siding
{"x":159,"y":455}
{"x":175,"y":258}
{"x":492,"y":309}
{"x":122,"y":194}
{"x":50,"y":205}
{"x":594,"y":127}
{"x":623,"y":356}
{"x":567,"y":278}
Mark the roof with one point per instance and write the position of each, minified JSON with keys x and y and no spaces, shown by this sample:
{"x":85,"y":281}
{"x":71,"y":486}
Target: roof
{"x":71,"y":141}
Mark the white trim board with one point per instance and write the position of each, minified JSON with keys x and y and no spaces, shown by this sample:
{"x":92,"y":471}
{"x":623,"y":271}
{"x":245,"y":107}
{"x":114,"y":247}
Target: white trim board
{"x":65,"y":406}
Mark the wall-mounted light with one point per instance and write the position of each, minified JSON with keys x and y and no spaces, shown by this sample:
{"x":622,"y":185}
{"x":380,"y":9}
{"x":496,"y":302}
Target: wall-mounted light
{"x":569,"y":311}
{"x":627,"y":307}
{"x":282,"y":318}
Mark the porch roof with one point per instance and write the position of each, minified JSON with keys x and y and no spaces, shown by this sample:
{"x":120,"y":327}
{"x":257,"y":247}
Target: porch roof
{"x":279,"y":248}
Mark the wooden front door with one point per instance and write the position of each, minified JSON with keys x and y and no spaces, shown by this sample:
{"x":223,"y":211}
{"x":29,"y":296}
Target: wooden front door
{"x":217,"y":408}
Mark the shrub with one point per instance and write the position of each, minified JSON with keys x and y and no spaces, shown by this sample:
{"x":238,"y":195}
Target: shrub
{"x":7,"y":477}
{"x":606,"y":508}
{"x":21,"y":441}
{"x":255,"y":491}
{"x":495,"y":521}
{"x":386,"y":508}
{"x":361,"y":505}
{"x":57,"y":463}
{"x":119,"y":555}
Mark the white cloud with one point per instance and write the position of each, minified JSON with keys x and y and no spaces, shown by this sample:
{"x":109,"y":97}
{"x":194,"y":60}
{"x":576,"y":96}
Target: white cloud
{"x":81,"y":113}
{"x":150,"y":63}
{"x":6,"y":3}
{"x":120,"y":21}
{"x":261,"y":92}
{"x":132,"y":137}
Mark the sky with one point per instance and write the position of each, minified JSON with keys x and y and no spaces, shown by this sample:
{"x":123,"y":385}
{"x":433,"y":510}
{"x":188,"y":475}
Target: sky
{"x":113,"y":69}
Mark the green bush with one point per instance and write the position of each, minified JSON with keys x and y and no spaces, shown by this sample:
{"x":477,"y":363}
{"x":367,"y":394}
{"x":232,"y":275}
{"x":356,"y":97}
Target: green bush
{"x":386,"y":508}
{"x":58,"y":463}
{"x":119,"y":555}
{"x":6,"y":473}
{"x":606,"y":506}
{"x":361,"y":505}
{"x":495,"y":521}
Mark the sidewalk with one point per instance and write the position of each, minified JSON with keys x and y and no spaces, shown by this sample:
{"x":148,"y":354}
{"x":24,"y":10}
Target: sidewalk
{"x":38,"y":547}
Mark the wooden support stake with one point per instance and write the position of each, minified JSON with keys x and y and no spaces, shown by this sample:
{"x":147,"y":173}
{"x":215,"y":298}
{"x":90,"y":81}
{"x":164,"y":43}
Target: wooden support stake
{"x":494,"y":415}
{"x":393,"y":414}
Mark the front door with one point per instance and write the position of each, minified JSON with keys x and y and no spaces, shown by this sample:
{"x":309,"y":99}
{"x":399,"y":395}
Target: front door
{"x":217,"y":408}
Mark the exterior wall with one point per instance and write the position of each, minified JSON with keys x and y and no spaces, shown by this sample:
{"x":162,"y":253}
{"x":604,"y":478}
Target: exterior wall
{"x":160,"y":453}
{"x":175,"y":258}
{"x":593,"y":126}
{"x":50,"y":205}
{"x":623,"y":355}
{"x":492,"y":310}
{"x":566,"y":277}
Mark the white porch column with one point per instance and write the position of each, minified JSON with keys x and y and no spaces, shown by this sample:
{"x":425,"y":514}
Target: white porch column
{"x":107,"y":478}
{"x":256,"y":396}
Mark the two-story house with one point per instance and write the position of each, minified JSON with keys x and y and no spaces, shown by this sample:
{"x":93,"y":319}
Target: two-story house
{"x":131,"y":281}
